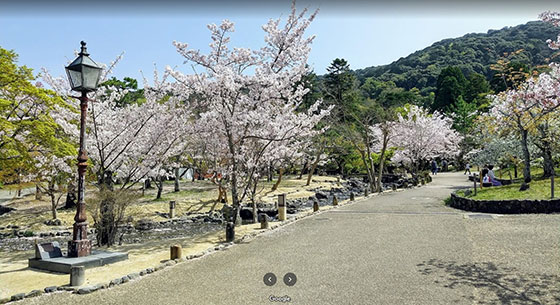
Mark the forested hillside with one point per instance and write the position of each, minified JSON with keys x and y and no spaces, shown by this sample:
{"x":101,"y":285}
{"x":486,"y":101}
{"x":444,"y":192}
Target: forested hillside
{"x":471,"y":53}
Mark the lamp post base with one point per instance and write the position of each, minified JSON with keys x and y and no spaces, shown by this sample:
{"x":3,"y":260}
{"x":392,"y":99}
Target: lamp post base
{"x":80,"y":245}
{"x":79,"y":248}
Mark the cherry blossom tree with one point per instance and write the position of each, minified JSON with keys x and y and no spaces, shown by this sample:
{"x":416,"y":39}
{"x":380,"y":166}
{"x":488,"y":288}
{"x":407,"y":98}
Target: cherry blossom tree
{"x":529,"y":109}
{"x":419,"y":136}
{"x":248,"y":98}
{"x":52,"y":174}
{"x":126,"y":143}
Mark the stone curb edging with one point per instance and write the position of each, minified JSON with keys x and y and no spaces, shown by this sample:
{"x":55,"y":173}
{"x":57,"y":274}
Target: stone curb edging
{"x":137,"y":275}
{"x":513,"y":206}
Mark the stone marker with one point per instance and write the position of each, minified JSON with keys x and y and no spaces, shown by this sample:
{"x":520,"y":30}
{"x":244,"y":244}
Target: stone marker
{"x":172,"y":209}
{"x":366,"y":192}
{"x":77,"y":276}
{"x":230,"y":232}
{"x":263,"y":218}
{"x":334,"y":200}
{"x":352,"y":196}
{"x":47,"y":250}
{"x":281,"y":207}
{"x":315,"y":206}
{"x":176,"y":252}
{"x":394,"y":187}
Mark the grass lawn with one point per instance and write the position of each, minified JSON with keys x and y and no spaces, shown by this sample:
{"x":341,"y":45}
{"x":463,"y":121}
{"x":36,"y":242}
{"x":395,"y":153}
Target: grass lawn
{"x":539,"y":190}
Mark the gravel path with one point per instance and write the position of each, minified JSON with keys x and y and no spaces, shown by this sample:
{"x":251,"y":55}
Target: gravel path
{"x":398,"y":248}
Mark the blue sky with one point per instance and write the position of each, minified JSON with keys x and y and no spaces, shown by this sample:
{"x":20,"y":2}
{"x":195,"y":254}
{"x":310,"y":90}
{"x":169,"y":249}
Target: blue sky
{"x":364,"y":34}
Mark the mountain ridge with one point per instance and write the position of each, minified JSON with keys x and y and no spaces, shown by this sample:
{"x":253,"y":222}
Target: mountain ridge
{"x":472,"y":52}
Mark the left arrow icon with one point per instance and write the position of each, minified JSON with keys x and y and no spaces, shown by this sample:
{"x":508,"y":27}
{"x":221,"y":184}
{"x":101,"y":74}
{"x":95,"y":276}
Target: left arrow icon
{"x":269,"y":279}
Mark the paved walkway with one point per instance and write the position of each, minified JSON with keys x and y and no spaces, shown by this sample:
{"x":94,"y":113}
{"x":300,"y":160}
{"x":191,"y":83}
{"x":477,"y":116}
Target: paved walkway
{"x":398,"y":248}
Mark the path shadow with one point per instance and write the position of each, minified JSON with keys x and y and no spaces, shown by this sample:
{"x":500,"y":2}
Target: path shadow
{"x":498,"y":285}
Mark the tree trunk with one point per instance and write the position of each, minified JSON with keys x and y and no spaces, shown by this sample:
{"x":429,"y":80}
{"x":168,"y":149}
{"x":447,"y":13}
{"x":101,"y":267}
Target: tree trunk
{"x":270,"y":173}
{"x":253,"y":202}
{"x":372,"y":183}
{"x":176,"y":189}
{"x":159,"y":184}
{"x":368,"y":169}
{"x":548,"y":162}
{"x":280,"y":174}
{"x":38,"y":193}
{"x":546,"y":150}
{"x":526,"y":155}
{"x":53,"y":205}
{"x":302,"y":170}
{"x":381,"y":165}
{"x":313,"y":168}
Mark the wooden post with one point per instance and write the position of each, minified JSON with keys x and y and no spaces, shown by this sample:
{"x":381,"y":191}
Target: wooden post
{"x":315,"y":205}
{"x":171,"y":209}
{"x":552,"y":186}
{"x":474,"y":180}
{"x":230,"y":232}
{"x":334,"y":200}
{"x":281,"y":207}
{"x":263,"y":218}
{"x":176,"y":252}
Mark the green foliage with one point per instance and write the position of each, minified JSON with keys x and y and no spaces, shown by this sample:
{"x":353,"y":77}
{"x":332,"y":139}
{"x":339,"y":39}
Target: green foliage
{"x":471,"y":53}
{"x":134,"y":95}
{"x":477,"y":89}
{"x":464,"y":115}
{"x":26,"y":126}
{"x":451,"y":84}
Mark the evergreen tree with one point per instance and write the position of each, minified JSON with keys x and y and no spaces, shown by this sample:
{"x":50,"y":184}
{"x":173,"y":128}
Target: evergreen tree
{"x":451,"y":84}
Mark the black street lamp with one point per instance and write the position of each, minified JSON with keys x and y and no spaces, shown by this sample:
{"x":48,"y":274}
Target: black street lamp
{"x":83,"y":74}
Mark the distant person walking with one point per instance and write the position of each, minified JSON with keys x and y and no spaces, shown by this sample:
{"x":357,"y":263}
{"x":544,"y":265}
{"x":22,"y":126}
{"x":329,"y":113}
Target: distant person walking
{"x":434,"y":167}
{"x":467,"y":169}
{"x":444,"y":165}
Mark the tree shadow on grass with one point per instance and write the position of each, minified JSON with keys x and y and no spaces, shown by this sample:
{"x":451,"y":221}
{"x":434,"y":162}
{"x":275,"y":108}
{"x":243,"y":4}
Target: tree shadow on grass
{"x":498,"y":285}
{"x":197,"y":207}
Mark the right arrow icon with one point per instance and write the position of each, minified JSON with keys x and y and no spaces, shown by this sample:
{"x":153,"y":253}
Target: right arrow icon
{"x":290,"y":279}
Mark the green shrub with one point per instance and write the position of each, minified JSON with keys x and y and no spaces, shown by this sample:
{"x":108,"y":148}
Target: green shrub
{"x":447,"y":201}
{"x":28,"y":234}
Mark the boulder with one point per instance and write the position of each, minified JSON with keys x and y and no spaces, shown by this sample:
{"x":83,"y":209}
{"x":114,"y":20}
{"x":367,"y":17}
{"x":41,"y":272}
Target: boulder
{"x":145,"y":225}
{"x":5,"y":210}
{"x":321,"y":195}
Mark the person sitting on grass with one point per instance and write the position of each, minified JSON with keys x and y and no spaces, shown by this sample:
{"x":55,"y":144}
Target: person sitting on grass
{"x":492,"y":177}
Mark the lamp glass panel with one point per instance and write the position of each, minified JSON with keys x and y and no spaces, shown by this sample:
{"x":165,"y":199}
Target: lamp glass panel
{"x":91,"y":77}
{"x":75,"y":78}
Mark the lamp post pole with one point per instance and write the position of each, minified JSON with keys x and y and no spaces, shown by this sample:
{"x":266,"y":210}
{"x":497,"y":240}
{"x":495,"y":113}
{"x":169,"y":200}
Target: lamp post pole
{"x":80,"y":245}
{"x":83,"y":74}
